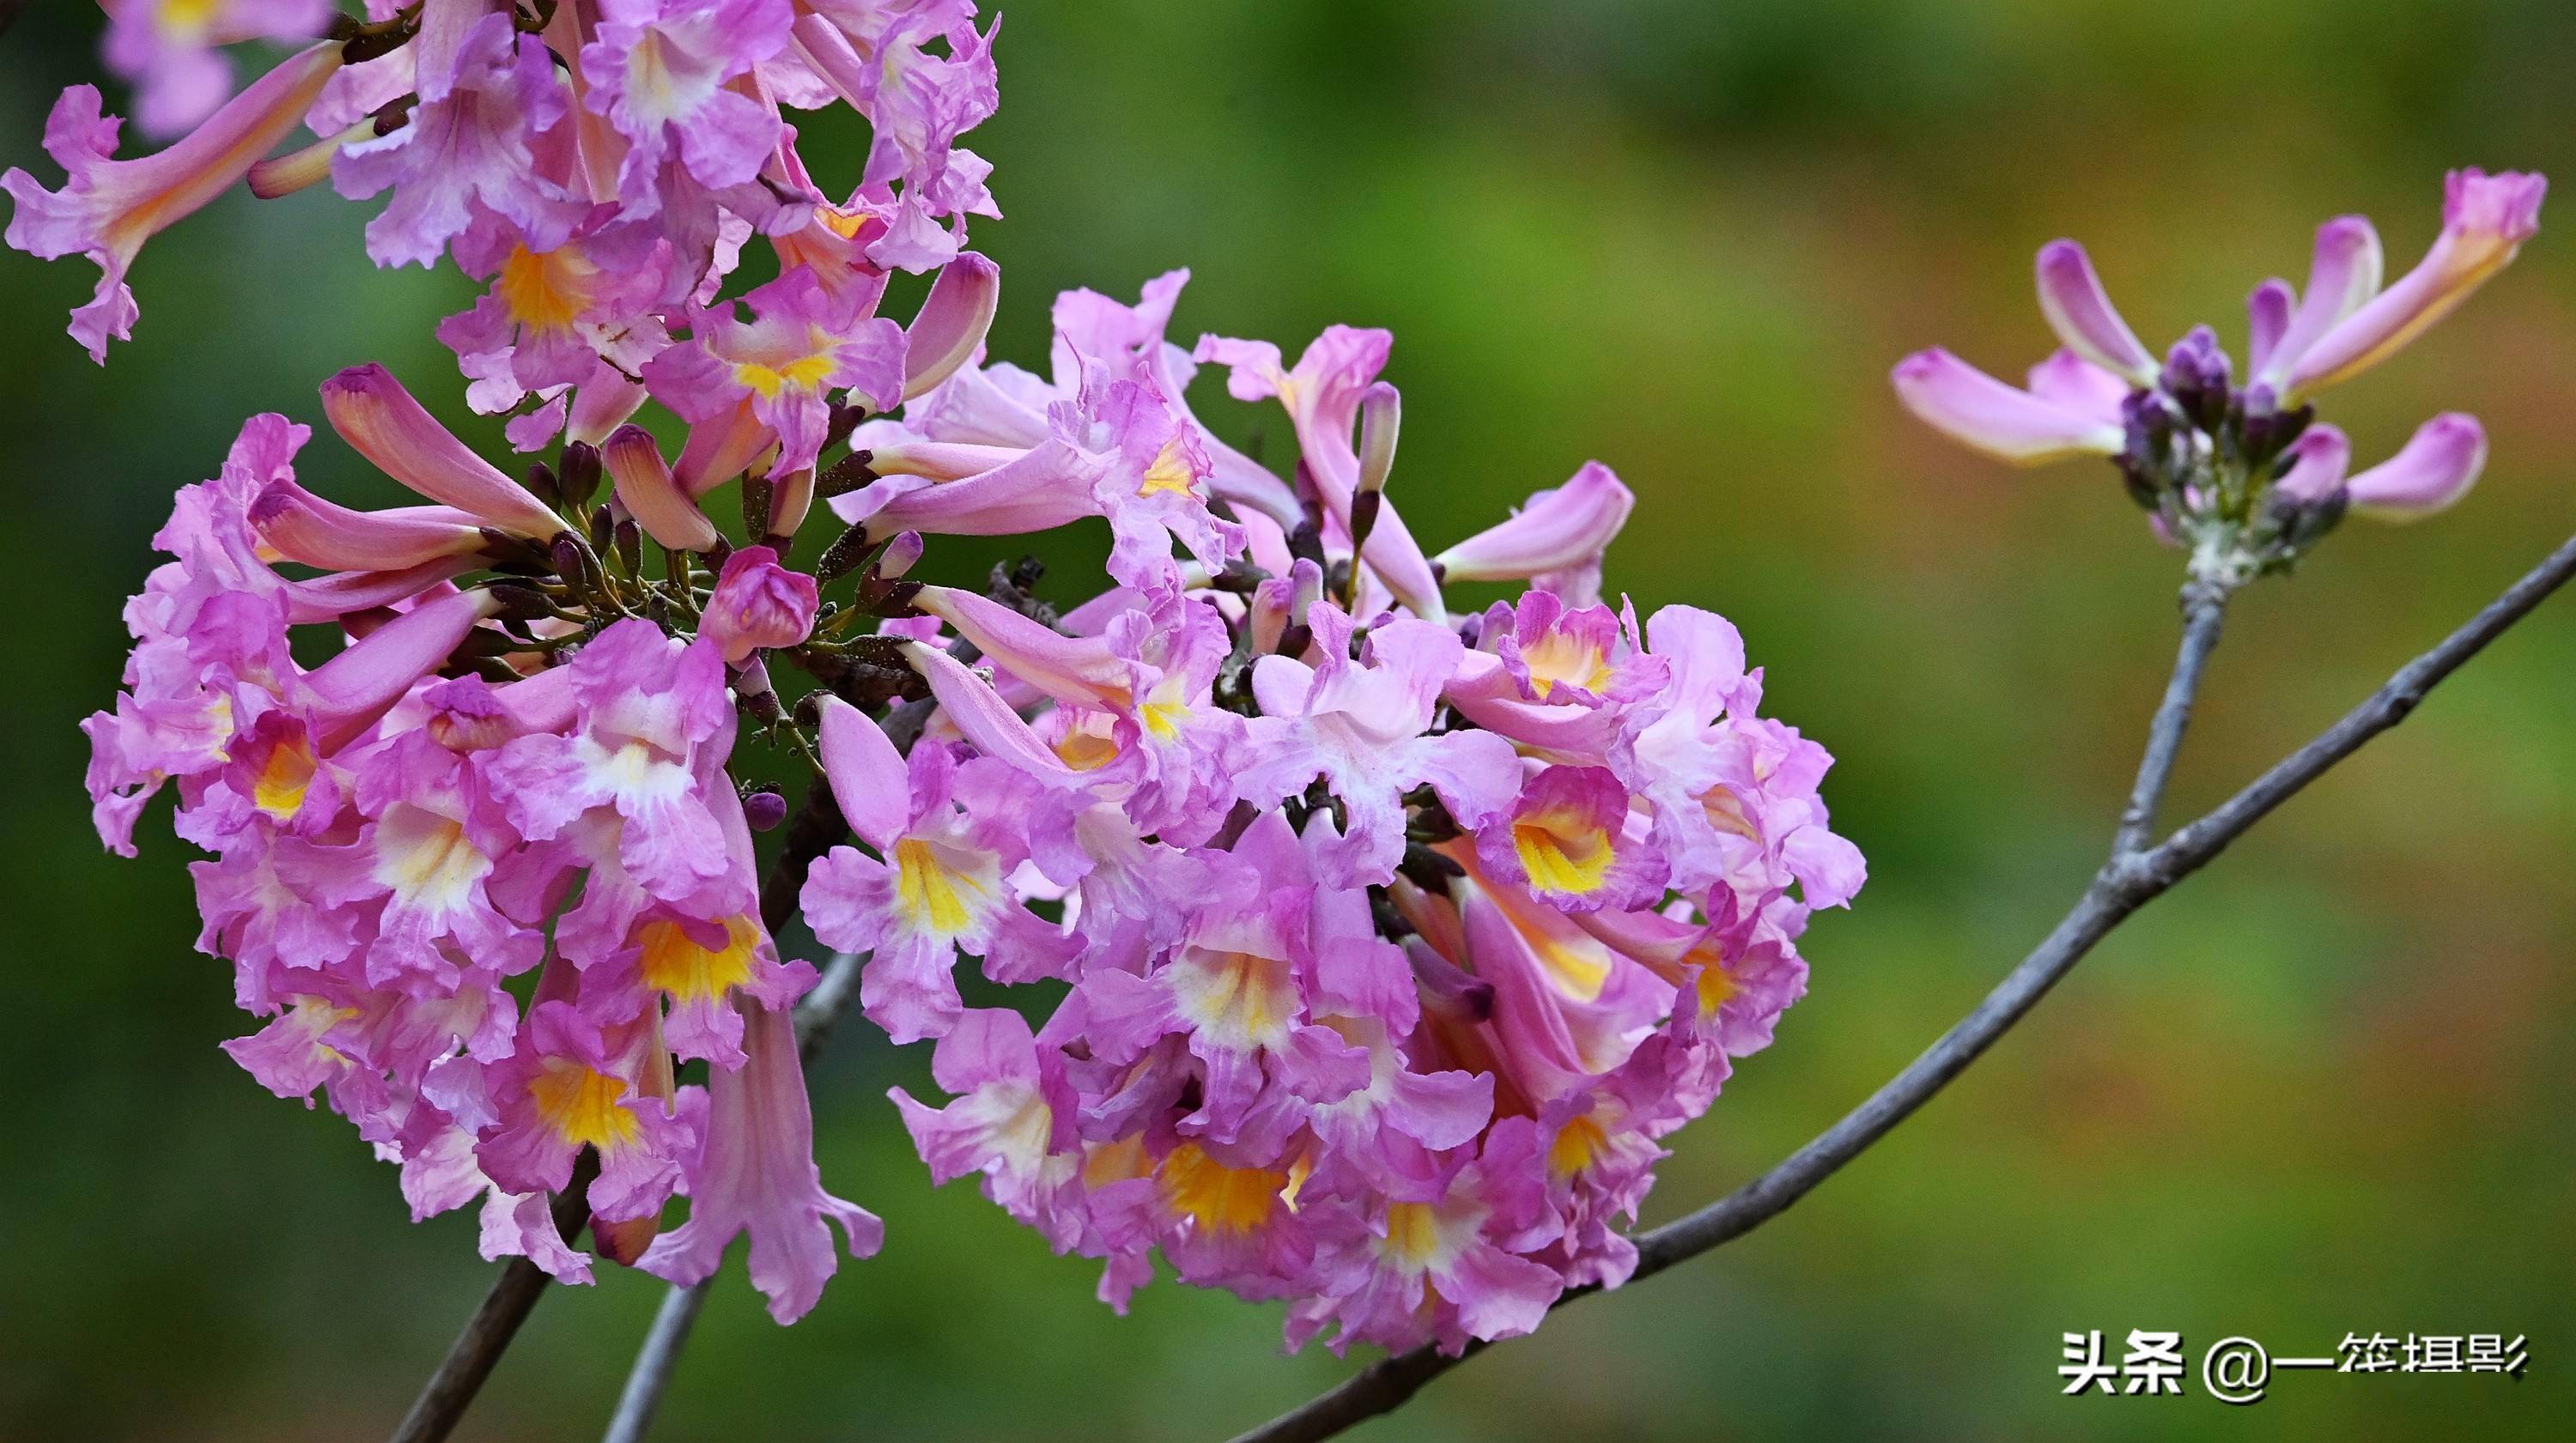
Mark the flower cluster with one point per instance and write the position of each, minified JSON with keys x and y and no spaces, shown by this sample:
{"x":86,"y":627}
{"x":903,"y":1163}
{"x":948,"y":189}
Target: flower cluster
{"x":1382,"y":945}
{"x":2237,"y":470}
{"x":402,"y":830}
{"x":602,"y":163}
{"x":1395,"y":940}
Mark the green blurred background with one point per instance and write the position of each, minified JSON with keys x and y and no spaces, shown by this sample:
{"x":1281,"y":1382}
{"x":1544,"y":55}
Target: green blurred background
{"x":2324,"y":1088}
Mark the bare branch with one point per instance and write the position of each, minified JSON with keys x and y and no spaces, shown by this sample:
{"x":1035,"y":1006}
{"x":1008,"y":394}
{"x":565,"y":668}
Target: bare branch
{"x":2204,"y":609}
{"x":2193,"y":846}
{"x":2130,"y":880}
{"x":642,"y":1395}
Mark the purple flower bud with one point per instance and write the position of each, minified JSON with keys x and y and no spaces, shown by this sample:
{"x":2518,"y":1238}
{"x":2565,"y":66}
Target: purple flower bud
{"x":758,"y":603}
{"x":950,"y":327}
{"x":2267,"y":319}
{"x":764,"y":810}
{"x":2196,"y":374}
{"x":899,"y":556}
{"x":1381,"y":414}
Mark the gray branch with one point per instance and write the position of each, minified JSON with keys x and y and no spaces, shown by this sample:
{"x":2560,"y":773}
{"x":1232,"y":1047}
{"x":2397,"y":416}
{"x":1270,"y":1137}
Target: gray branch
{"x":2204,"y":609}
{"x":654,"y":1362}
{"x":2129,"y":880}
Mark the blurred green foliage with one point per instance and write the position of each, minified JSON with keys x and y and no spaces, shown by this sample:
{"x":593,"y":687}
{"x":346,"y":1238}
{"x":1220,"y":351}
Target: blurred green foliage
{"x":2322,"y":1089}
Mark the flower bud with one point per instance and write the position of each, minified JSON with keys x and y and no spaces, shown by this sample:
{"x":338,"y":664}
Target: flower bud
{"x":644,"y":483}
{"x":467,"y":715}
{"x":758,"y":603}
{"x":578,"y":475}
{"x":1447,"y":991}
{"x":791,"y":497}
{"x":764,"y":809}
{"x":296,"y":170}
{"x":899,"y":556}
{"x":1381,"y":415}
{"x":951,"y":324}
{"x":384,"y":423}
{"x":601,"y":405}
{"x":299,"y":526}
{"x":2196,"y":375}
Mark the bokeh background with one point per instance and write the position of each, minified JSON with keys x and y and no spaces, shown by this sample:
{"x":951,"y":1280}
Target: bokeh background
{"x":2324,"y":1088}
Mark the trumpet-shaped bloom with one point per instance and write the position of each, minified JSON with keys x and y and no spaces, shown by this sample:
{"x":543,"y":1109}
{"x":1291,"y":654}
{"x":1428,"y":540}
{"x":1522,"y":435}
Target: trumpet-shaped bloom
{"x":554,"y":313}
{"x":1013,"y":1121}
{"x":753,"y":1172}
{"x":108,"y":208}
{"x":1568,"y":839}
{"x":171,"y":50}
{"x":935,"y":888}
{"x":783,"y":366}
{"x":653,"y":721}
{"x":664,"y":73}
{"x":565,"y":1090}
{"x":487,"y":93}
{"x":1361,"y":727}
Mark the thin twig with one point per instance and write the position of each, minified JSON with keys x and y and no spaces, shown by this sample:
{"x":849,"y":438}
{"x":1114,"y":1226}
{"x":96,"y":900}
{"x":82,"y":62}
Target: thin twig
{"x":642,"y":1395}
{"x":2204,"y":609}
{"x":496,"y":1321}
{"x":660,"y":1355}
{"x":2127,"y":882}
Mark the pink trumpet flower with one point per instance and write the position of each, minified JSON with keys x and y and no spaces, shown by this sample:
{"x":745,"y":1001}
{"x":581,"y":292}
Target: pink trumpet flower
{"x":109,"y":208}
